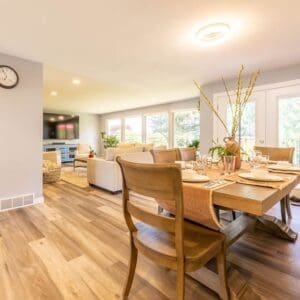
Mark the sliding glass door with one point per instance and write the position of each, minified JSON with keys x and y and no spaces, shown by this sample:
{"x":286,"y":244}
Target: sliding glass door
{"x":271,"y":118}
{"x":283,"y":118}
{"x":252,"y":129}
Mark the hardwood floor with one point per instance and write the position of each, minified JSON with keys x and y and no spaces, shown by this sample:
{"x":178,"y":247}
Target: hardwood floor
{"x":75,"y":246}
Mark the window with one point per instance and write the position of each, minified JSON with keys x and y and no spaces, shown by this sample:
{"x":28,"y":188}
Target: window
{"x":133,"y":129}
{"x":157,"y":129}
{"x":247,"y":126}
{"x":289,"y":124}
{"x":114,"y":128}
{"x":186,"y":127}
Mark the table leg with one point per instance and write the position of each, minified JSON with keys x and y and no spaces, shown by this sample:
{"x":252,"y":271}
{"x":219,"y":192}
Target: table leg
{"x":274,"y":226}
{"x":288,"y":206}
{"x":237,"y":282}
{"x":282,"y":208}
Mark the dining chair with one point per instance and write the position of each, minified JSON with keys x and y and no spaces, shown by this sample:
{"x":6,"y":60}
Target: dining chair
{"x":277,"y":154}
{"x":168,"y":241}
{"x":165,"y":155}
{"x":187,"y":154}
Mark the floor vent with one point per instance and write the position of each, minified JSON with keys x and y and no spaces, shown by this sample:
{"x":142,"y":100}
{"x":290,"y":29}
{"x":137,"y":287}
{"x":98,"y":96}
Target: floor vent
{"x":17,"y":201}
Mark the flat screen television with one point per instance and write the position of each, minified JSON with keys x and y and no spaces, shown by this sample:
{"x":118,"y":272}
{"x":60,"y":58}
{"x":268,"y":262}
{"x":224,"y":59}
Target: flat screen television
{"x":60,"y":127}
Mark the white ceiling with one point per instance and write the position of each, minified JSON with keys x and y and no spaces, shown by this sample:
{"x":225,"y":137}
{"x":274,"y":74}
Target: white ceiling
{"x":131,"y":53}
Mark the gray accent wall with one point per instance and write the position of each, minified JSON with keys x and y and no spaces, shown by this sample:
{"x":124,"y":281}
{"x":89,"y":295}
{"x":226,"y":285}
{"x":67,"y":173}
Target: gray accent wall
{"x":21,"y":130}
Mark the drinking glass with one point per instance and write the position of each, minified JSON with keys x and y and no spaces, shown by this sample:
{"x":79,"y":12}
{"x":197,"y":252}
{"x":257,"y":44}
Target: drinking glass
{"x":264,"y":159}
{"x":229,"y":164}
{"x":201,"y":164}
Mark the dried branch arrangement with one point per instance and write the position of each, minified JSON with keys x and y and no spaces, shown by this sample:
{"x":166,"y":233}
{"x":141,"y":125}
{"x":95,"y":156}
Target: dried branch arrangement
{"x":237,"y":102}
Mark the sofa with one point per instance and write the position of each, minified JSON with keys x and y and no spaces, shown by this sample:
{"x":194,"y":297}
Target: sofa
{"x":106,"y":174}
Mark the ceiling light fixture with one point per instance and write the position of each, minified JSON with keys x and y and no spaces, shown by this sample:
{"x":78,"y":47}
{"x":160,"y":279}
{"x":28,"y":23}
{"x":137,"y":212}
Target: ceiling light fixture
{"x":76,"y":81}
{"x":214,"y":33}
{"x":54,"y":93}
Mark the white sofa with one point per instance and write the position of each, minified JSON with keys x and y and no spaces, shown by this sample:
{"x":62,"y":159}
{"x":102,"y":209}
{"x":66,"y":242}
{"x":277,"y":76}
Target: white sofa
{"x":106,"y":174}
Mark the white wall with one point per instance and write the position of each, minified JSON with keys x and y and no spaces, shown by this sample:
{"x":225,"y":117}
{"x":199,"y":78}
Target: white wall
{"x":21,"y":130}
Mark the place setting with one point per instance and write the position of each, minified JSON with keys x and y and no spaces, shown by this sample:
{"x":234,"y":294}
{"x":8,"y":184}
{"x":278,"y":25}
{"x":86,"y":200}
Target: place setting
{"x":284,"y":167}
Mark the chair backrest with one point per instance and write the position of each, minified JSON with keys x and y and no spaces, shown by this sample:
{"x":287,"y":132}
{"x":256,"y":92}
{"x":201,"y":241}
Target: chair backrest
{"x":277,"y":153}
{"x":83,"y":148}
{"x":165,"y":156}
{"x":187,"y":154}
{"x":159,"y":181}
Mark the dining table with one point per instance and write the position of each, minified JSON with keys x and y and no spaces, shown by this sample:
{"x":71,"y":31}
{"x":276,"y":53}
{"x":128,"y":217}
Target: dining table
{"x":253,"y":200}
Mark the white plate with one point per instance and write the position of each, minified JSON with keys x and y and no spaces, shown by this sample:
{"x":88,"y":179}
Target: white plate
{"x":188,"y":177}
{"x":270,"y":177}
{"x":284,"y":168}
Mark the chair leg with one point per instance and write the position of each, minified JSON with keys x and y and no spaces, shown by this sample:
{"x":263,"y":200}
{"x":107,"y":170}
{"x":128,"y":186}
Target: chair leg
{"x":132,"y":266}
{"x":221,"y":261}
{"x":233,"y":215}
{"x":283,"y":207}
{"x":288,"y":206}
{"x":180,"y":281}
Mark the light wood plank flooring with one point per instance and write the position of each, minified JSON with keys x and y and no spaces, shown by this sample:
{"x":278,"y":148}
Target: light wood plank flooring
{"x":75,"y":246}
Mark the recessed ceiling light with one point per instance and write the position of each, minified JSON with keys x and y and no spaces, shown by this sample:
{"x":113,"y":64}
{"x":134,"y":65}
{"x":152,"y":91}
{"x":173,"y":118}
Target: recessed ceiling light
{"x":54,"y":93}
{"x":76,"y":81}
{"x":212,"y":34}
{"x":52,"y":119}
{"x":61,"y":118}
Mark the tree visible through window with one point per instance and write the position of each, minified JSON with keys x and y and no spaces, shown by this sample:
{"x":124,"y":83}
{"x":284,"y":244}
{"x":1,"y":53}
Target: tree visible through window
{"x":133,"y":129}
{"x":186,"y":127}
{"x":157,"y":129}
{"x":289,"y":124}
{"x":114,"y":128}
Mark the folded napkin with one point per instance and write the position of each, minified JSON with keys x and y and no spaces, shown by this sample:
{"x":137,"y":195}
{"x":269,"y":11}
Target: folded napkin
{"x":270,"y":184}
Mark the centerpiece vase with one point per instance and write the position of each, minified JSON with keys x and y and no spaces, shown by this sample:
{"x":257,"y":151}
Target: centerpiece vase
{"x":233,"y":146}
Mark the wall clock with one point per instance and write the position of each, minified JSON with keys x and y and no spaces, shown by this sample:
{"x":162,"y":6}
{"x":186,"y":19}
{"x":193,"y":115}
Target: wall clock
{"x":9,"y":78}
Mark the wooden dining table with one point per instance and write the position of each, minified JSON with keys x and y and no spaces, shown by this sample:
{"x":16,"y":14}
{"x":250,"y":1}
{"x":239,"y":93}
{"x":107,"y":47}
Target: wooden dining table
{"x":253,"y":202}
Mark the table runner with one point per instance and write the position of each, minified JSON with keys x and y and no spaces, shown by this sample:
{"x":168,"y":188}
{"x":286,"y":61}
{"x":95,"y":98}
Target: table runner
{"x":198,"y":204}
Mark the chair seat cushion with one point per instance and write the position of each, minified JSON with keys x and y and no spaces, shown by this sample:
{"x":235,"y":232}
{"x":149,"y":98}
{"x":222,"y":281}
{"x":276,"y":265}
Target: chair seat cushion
{"x":200,"y":244}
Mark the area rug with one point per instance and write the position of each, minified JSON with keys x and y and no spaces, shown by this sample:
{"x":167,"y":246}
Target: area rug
{"x":76,"y":177}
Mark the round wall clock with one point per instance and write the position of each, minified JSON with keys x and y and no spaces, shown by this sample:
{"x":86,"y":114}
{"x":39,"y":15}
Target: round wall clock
{"x":9,"y":78}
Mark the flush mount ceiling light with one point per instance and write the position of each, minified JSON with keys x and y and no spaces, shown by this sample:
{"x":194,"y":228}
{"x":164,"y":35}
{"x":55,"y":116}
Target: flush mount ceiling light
{"x":54,"y":93}
{"x":212,"y":34}
{"x":76,"y":81}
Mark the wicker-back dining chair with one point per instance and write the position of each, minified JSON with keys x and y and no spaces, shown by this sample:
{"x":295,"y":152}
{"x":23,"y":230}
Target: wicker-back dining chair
{"x":280,"y":154}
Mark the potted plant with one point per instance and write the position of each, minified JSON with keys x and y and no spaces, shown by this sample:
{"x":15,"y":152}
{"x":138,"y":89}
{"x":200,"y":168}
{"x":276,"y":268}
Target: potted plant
{"x":109,"y":141}
{"x":237,"y":104}
{"x":194,"y":144}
